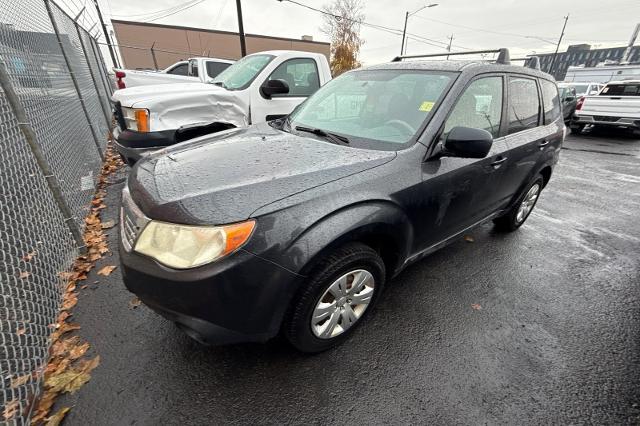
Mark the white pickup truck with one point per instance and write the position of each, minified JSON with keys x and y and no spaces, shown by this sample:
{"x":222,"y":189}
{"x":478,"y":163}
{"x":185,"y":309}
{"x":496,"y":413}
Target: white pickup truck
{"x":617,"y":105}
{"x":260,"y":87}
{"x":193,"y":70}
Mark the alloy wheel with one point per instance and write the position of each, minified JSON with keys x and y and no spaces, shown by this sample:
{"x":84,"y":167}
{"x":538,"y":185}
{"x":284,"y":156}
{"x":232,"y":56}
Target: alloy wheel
{"x":527,"y":203}
{"x":342,"y":304}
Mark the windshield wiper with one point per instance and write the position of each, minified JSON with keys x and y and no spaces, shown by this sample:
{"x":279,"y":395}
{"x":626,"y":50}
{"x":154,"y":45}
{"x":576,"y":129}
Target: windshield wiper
{"x":319,"y":132}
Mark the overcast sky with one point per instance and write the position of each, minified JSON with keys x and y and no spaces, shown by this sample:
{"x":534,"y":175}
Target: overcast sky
{"x":475,"y":24}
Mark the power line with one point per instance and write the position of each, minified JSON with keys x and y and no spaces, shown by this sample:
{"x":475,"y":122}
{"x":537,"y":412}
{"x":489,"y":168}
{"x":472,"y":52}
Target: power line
{"x":197,"y":2}
{"x":150,"y":14}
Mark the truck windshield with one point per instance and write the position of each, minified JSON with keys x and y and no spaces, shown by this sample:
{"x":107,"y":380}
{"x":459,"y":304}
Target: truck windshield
{"x":377,"y":109}
{"x":240,"y":75}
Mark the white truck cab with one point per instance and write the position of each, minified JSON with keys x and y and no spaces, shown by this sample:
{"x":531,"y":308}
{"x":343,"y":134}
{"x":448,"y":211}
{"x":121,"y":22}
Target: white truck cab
{"x":616,"y":105}
{"x":260,"y":87}
{"x":194,"y":70}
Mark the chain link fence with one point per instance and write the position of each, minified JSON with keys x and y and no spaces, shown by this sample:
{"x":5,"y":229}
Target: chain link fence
{"x":54,"y":123}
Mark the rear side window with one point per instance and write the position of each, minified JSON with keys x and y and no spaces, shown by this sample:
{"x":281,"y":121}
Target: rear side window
{"x":621,"y":90}
{"x":215,"y":68}
{"x":551,"y":101}
{"x":524,"y":104}
{"x":181,"y":69}
{"x":300,"y":74}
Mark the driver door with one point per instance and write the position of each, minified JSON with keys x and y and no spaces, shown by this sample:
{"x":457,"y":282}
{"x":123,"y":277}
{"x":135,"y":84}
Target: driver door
{"x":301,"y":75}
{"x":460,"y":192}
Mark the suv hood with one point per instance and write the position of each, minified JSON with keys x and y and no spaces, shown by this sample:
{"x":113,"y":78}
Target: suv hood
{"x":140,"y":95}
{"x":225,"y":178}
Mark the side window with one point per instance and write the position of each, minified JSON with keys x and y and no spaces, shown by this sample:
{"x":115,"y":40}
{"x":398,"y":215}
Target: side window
{"x":193,"y":68}
{"x":551,"y":101}
{"x":479,"y":107}
{"x":524,"y":104}
{"x":300,"y":74}
{"x":215,"y":68}
{"x":181,"y":69}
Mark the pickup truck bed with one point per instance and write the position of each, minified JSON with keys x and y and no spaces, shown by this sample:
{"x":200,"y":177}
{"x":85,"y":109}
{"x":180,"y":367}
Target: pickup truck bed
{"x":618,"y":104}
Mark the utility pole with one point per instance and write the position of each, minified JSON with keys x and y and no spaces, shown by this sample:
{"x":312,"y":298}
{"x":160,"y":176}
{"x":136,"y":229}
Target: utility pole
{"x":449,"y":46}
{"x":553,"y":59}
{"x":106,"y":34}
{"x":243,"y":45}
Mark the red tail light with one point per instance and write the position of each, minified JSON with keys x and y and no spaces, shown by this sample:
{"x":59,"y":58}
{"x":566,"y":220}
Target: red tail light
{"x":579,"y":104}
{"x":119,"y":79}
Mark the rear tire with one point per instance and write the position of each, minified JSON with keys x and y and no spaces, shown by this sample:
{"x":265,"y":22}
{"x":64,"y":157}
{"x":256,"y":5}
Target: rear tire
{"x":340,"y":292}
{"x":521,"y":210}
{"x":576,"y":129}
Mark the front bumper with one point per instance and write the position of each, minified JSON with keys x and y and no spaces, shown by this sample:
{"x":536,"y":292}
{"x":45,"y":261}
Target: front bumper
{"x":239,"y":298}
{"x":134,"y":145}
{"x":606,"y":121}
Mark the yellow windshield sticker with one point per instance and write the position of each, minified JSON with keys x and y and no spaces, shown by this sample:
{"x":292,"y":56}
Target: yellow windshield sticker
{"x":426,"y":106}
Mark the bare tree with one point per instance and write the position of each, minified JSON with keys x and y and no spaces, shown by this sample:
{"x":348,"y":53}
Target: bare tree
{"x":342,"y":21}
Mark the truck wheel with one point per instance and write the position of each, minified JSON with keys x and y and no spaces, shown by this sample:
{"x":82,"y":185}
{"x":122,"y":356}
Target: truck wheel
{"x":521,"y":210}
{"x":341,"y":290}
{"x":576,"y":129}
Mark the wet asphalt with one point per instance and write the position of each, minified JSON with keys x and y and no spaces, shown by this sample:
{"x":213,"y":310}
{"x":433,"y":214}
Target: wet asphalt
{"x":538,"y":326}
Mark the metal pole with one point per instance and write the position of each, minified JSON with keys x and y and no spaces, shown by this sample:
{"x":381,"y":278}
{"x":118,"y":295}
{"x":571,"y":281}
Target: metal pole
{"x":404,"y":33}
{"x":93,"y":78}
{"x":106,"y":34}
{"x":31,"y":138}
{"x":73,"y":78}
{"x":449,"y":47}
{"x":243,"y":45}
{"x":104,"y":74}
{"x":553,"y":59}
{"x":153,"y":55}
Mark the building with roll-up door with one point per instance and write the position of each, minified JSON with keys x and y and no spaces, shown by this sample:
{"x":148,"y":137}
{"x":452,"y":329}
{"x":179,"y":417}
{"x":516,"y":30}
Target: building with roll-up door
{"x":146,"y":46}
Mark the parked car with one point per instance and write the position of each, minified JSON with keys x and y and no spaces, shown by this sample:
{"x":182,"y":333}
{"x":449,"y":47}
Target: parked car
{"x":192,"y":71}
{"x":259,"y":87}
{"x":296,"y":225}
{"x":617,"y":105}
{"x":569,"y":100}
{"x":583,"y":88}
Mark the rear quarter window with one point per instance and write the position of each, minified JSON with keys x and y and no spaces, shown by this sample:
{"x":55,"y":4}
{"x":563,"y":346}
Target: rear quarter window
{"x":551,"y":101}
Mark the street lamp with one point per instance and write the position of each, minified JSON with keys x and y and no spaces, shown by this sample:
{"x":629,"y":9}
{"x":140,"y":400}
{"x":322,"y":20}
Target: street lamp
{"x":406,"y":18}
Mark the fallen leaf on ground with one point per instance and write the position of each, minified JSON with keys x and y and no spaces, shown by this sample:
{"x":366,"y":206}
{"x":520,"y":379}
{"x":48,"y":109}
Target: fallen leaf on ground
{"x":24,"y":274}
{"x":84,"y":286}
{"x":20,"y":380}
{"x":134,"y":303}
{"x":21,"y":331}
{"x":57,"y":418}
{"x":476,"y":306}
{"x":107,"y":270}
{"x":72,"y":379}
{"x":108,"y":224}
{"x":10,"y":409}
{"x":468,"y":238}
{"x":27,"y":257}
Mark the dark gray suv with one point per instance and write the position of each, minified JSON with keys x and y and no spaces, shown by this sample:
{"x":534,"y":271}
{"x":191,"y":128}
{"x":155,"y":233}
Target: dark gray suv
{"x":294,"y":226}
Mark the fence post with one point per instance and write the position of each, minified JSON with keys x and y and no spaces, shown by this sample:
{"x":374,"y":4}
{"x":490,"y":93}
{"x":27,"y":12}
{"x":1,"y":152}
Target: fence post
{"x":73,"y":78}
{"x":153,"y":55}
{"x":100,"y":59}
{"x":93,"y":78}
{"x":30,"y":136}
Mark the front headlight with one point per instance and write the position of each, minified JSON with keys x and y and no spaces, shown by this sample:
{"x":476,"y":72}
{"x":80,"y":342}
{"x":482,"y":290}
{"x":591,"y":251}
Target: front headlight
{"x":187,"y":246}
{"x":136,"y":119}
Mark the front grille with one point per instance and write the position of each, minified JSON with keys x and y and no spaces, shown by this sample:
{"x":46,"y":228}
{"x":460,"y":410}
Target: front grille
{"x":132,"y":221}
{"x":604,"y":118}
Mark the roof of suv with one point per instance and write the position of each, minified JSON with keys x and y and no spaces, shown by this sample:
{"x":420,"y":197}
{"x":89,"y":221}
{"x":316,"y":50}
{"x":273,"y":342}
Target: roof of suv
{"x":475,"y":66}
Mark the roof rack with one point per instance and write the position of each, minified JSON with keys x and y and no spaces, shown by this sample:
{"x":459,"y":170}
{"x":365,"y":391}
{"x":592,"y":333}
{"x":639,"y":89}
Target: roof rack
{"x":530,"y":62}
{"x":503,"y":55}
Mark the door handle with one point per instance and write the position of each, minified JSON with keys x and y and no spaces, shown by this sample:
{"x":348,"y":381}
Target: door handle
{"x":497,"y":163}
{"x":543,"y":143}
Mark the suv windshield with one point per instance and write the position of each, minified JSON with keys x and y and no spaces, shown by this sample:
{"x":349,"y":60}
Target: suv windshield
{"x":240,"y":75}
{"x":379,"y":109}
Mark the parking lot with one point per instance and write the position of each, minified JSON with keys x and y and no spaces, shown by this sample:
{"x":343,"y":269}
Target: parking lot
{"x":538,"y":326}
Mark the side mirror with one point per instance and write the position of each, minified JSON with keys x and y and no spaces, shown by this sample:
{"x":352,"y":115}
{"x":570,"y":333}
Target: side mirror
{"x":274,"y":87}
{"x":570,"y":99}
{"x":467,"y":142}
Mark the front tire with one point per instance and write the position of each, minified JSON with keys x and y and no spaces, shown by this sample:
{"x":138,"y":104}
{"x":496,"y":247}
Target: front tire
{"x":521,"y":210}
{"x":341,"y":290}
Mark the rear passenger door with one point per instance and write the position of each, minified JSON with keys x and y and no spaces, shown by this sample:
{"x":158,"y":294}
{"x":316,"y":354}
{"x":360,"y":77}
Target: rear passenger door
{"x":526,"y":134}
